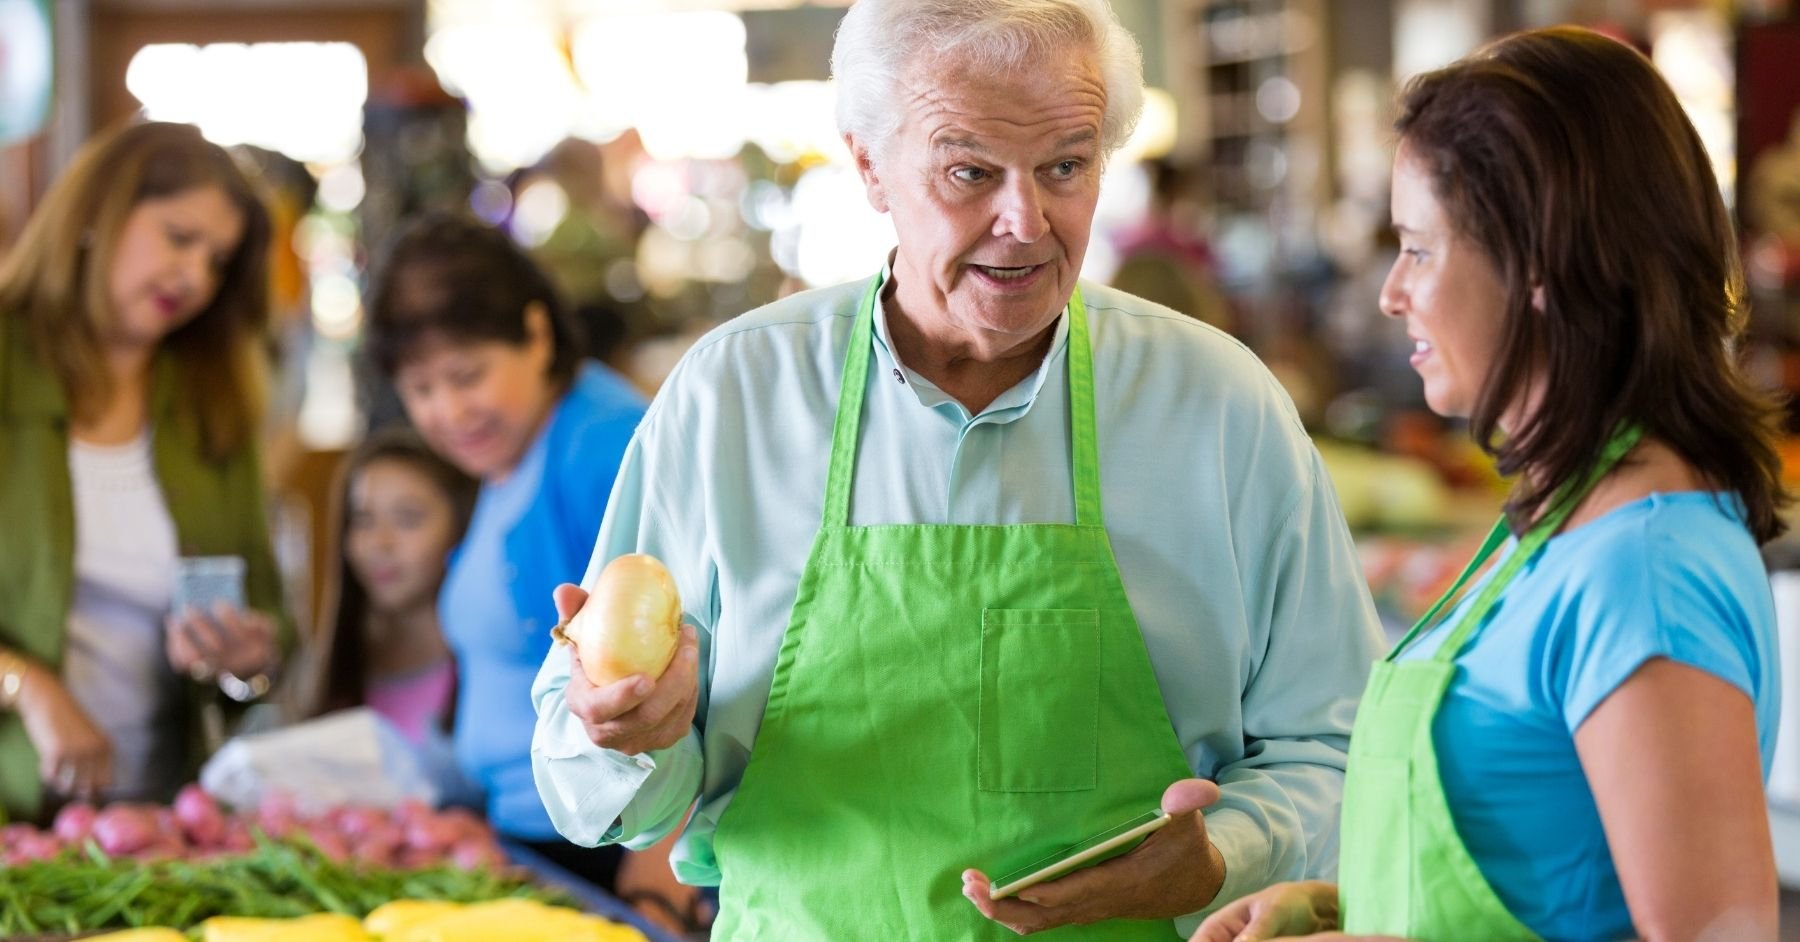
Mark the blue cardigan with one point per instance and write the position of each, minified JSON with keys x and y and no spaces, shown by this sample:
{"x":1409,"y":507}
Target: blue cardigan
{"x":549,"y":544}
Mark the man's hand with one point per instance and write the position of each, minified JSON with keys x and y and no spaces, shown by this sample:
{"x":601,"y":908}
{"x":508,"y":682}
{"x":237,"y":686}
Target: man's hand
{"x":634,"y":714}
{"x":1175,"y":871}
{"x":1281,"y":911}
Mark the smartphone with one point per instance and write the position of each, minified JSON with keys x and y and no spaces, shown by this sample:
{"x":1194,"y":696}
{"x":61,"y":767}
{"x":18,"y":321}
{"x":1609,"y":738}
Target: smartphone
{"x":202,"y":582}
{"x":1092,"y":850}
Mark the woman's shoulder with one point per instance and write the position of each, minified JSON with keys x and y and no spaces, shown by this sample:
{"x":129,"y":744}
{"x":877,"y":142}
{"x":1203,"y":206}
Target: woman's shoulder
{"x":1674,"y":575}
{"x":597,"y":415}
{"x":1686,"y":535}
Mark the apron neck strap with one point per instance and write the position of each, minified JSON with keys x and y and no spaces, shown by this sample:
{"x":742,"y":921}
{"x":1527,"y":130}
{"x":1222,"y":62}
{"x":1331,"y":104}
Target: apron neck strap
{"x":1534,"y":539}
{"x":1085,"y":462}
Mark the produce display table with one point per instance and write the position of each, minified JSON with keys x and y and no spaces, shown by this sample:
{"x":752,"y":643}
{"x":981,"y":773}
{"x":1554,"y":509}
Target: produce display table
{"x":587,"y":896}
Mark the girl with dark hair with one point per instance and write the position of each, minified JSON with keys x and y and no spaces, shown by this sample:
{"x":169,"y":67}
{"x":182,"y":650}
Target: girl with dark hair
{"x":487,"y":363}
{"x":1576,"y":749}
{"x":402,"y":509}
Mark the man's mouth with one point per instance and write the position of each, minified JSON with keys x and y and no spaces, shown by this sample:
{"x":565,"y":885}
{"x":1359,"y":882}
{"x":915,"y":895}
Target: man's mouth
{"x":1008,"y":273}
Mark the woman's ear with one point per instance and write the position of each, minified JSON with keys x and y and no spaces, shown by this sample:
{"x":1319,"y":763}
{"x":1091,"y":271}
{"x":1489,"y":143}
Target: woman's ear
{"x":540,"y":340}
{"x":1537,"y":298}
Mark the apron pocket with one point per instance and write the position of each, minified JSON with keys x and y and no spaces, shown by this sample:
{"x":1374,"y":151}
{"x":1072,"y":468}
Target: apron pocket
{"x":1040,"y":700}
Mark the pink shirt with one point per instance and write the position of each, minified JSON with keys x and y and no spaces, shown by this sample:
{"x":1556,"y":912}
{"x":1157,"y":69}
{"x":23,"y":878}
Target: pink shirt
{"x":414,"y":701}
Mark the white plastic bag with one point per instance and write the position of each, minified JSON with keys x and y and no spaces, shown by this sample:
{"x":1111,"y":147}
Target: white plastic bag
{"x":351,"y":757}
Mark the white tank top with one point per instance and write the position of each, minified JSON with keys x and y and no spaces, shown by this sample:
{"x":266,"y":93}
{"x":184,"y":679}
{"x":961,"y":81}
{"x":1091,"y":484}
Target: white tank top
{"x":115,"y":664}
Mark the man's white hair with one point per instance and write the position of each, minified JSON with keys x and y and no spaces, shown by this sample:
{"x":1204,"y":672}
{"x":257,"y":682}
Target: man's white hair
{"x":879,"y":40}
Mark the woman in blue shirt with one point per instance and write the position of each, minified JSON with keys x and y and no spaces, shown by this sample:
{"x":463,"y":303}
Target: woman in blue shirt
{"x":488,"y":365}
{"x":1577,"y":749}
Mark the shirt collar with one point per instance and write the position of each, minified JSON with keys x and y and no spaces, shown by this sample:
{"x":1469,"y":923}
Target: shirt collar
{"x":1009,"y":406}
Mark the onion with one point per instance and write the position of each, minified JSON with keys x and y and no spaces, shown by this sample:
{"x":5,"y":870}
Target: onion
{"x":630,"y":623}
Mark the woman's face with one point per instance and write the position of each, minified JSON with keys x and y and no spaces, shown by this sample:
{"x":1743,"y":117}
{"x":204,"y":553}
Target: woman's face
{"x":170,"y":257}
{"x":1446,"y":289}
{"x":480,"y":404}
{"x":401,"y":531}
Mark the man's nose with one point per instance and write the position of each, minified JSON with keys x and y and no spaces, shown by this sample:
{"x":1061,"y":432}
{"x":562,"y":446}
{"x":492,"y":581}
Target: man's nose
{"x":1021,"y":211}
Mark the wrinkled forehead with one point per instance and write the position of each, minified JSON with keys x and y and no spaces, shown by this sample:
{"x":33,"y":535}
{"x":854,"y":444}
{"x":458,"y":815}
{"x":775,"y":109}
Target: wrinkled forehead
{"x":1057,"y":92}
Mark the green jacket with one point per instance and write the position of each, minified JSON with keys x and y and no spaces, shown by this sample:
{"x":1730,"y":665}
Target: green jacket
{"x":218,"y":508}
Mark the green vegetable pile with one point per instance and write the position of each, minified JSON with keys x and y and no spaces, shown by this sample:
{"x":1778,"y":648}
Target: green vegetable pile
{"x":90,"y":891}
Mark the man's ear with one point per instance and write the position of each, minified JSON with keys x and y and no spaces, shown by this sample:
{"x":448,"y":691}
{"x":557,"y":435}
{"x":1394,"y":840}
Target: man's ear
{"x":865,"y":168}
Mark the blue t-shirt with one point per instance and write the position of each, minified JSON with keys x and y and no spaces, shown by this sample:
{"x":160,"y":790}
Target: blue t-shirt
{"x":1672,"y":575}
{"x":529,"y":532}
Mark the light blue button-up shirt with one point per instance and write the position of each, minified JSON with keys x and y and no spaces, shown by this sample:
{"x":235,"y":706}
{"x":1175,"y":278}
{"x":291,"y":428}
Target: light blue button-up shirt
{"x":1228,"y":537}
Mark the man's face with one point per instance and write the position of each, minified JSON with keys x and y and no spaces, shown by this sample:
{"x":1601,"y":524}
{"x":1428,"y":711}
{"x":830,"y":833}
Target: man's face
{"x":991,"y":179}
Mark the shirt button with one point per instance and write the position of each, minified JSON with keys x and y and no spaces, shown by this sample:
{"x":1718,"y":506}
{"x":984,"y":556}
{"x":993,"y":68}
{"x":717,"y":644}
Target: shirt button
{"x":899,"y":377}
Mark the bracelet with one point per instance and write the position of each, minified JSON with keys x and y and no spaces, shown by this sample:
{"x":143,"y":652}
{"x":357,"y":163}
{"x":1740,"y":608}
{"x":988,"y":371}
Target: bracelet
{"x":12,"y":680}
{"x":243,"y":689}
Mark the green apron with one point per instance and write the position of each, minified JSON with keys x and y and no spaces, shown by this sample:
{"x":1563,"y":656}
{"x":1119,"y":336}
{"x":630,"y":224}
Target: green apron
{"x":945,"y":697}
{"x":1403,"y":870}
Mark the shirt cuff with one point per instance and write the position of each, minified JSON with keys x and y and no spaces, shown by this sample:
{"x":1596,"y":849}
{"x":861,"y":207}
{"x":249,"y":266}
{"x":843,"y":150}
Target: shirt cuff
{"x":585,"y":789}
{"x":1245,"y":849}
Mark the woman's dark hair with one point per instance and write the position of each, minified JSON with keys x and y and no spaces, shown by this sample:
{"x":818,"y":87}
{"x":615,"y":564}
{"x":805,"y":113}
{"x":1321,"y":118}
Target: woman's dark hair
{"x":1567,"y":159}
{"x":339,"y":663}
{"x":449,"y":277}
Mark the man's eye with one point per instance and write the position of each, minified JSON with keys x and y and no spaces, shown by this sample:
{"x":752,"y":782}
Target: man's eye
{"x":969,"y":174}
{"x":1066,"y":169}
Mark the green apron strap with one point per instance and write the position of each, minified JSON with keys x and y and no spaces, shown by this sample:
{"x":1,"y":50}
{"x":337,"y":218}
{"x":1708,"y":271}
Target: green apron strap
{"x":1534,"y":539}
{"x":849,"y":413}
{"x":1083,"y":440}
{"x":854,"y":382}
{"x":1496,"y":536}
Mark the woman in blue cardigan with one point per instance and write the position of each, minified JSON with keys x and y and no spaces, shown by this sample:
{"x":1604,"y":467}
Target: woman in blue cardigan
{"x":488,"y":364}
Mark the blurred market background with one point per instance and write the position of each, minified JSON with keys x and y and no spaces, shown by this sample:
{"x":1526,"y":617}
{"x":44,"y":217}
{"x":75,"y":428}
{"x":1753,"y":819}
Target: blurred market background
{"x":674,"y":163}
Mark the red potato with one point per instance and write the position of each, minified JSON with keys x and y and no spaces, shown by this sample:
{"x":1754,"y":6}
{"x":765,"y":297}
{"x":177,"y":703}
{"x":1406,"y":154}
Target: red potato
{"x":201,"y":821}
{"x":467,"y":823}
{"x":432,"y":835}
{"x":237,"y":836}
{"x":125,"y":829}
{"x":356,"y":821}
{"x":477,"y":854}
{"x":412,"y":858}
{"x":37,"y":846}
{"x":378,"y":848}
{"x":74,"y":823}
{"x":330,"y":843}
{"x":164,"y":848}
{"x":410,"y":810}
{"x":278,"y":815}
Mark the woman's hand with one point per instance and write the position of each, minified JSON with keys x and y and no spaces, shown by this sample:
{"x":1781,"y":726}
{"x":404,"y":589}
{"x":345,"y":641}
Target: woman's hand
{"x":1282,"y":910}
{"x":229,"y":640}
{"x":74,"y":756}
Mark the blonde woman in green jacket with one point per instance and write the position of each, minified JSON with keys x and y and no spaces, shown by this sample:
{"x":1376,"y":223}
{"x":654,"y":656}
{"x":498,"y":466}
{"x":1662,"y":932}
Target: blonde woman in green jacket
{"x":130,"y":312}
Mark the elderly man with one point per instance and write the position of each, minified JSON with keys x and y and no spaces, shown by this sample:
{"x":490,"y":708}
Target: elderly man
{"x":977,"y":561}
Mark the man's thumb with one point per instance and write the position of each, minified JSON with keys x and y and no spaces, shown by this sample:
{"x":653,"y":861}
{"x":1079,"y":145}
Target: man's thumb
{"x":1189,"y":795}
